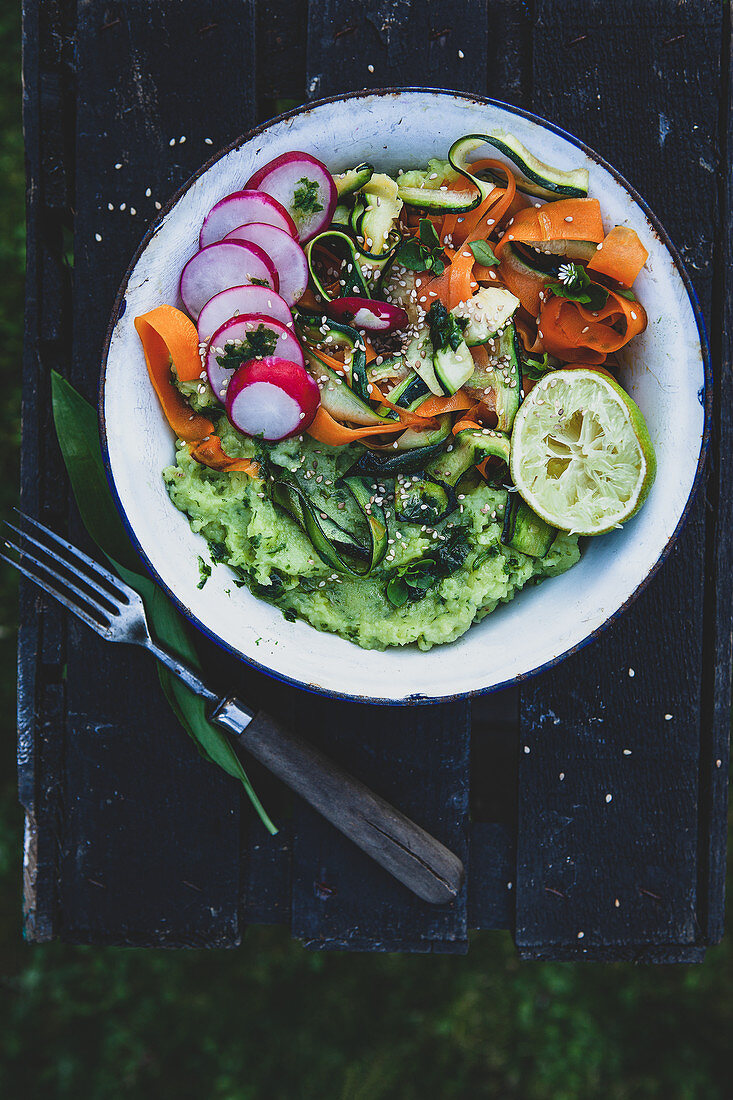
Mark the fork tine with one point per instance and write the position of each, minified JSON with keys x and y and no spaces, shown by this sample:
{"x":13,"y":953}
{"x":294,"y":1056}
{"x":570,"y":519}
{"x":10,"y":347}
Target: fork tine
{"x":107,"y":612}
{"x":100,"y":593}
{"x":100,"y":628}
{"x":114,"y":581}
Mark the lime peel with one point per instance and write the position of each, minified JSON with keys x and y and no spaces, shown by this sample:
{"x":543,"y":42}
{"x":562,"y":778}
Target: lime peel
{"x":581,"y":456}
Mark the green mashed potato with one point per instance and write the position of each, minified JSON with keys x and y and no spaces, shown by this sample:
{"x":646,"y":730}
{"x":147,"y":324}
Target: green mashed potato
{"x":271,"y":553}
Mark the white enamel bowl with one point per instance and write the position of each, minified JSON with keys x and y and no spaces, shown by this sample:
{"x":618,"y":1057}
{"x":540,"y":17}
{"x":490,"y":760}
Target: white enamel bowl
{"x":665,"y":371}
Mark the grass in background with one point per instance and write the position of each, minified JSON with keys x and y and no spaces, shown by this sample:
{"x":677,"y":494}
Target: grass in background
{"x":271,"y":1020}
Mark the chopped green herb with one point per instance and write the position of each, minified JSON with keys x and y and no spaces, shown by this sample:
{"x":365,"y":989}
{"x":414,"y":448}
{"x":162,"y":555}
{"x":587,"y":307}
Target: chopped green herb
{"x":260,"y":282}
{"x":484,"y":253}
{"x":218,"y":552}
{"x":305,"y":198}
{"x":411,"y":582}
{"x":204,"y":572}
{"x":445,"y":331}
{"x":628,"y":294}
{"x":261,"y":341}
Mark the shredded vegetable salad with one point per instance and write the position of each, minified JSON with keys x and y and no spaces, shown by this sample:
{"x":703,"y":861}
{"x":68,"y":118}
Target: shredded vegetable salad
{"x":395,"y":396}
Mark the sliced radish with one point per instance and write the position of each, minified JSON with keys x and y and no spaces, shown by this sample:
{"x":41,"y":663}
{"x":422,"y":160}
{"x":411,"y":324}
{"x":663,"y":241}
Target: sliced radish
{"x":286,"y":254}
{"x":272,"y":398}
{"x":274,"y":338}
{"x":367,"y":314}
{"x":223,"y":265}
{"x":237,"y":300}
{"x":305,"y":188}
{"x":243,"y":207}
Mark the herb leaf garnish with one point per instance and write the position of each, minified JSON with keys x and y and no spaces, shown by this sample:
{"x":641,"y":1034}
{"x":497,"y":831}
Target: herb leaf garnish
{"x":204,"y":572}
{"x":261,"y":341}
{"x":411,"y":582}
{"x":424,"y":253}
{"x":575,"y":285}
{"x":484,"y":253}
{"x":305,"y":198}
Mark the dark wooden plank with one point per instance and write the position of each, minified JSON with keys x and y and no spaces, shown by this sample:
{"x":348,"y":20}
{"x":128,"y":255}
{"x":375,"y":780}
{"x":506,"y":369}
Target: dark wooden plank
{"x":47,"y":94}
{"x":416,"y":758}
{"x":281,"y":33}
{"x":150,"y":844}
{"x":718,"y":655}
{"x":395,"y":43}
{"x":491,"y":892}
{"x":608,"y":814}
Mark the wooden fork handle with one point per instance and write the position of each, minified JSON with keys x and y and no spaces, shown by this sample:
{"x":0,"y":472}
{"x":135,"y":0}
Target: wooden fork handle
{"x":407,"y":851}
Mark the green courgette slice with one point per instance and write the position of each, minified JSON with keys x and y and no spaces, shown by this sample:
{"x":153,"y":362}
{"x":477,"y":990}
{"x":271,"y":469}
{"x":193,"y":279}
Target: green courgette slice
{"x":352,"y":279}
{"x":353,"y":180}
{"x":347,"y":554}
{"x":538,"y":178}
{"x":524,"y":530}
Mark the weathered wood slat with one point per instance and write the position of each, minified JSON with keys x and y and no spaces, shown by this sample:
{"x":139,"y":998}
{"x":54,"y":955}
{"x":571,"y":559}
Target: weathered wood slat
{"x":718,"y":649}
{"x":41,"y":636}
{"x":608,"y":813}
{"x":378,"y":44}
{"x":151,"y":836}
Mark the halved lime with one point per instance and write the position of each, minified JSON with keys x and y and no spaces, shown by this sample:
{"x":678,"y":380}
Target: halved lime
{"x":581,"y":455}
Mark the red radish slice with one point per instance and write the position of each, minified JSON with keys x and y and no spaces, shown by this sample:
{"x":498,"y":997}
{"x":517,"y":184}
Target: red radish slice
{"x":240,"y":208}
{"x":367,"y":314}
{"x":305,"y":188}
{"x":273,"y":337}
{"x":238,"y":300}
{"x":286,"y":254}
{"x":220,"y":266}
{"x":272,"y":398}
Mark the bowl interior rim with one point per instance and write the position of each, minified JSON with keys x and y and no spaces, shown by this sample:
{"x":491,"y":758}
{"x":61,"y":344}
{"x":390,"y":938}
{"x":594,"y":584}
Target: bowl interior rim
{"x":118,"y":309}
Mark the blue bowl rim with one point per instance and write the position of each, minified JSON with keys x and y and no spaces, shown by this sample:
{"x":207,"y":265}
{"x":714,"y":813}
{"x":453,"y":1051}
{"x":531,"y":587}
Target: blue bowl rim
{"x":412,"y":700}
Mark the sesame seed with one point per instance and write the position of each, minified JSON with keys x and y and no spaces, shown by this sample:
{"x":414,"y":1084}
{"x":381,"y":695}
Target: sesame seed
{"x":609,"y":797}
{"x":668,"y":718}
{"x":97,"y":236}
{"x":118,"y":166}
{"x":370,"y":68}
{"x":627,"y":752}
{"x":172,"y":141}
{"x":461,"y":54}
{"x":526,"y":747}
{"x":123,"y":206}
{"x":148,"y":193}
{"x":208,"y":141}
{"x":569,"y":218}
{"x":158,"y":206}
{"x":599,"y":247}
{"x":580,"y":935}
{"x":562,"y":776}
{"x":632,"y":673}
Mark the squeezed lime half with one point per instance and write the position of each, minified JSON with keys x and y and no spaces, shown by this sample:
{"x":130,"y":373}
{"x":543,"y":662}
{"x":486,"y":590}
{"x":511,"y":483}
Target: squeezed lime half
{"x":581,"y":455}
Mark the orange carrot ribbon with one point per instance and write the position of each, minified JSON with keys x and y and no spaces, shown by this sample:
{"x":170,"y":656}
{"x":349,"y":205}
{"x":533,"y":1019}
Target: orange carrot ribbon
{"x":168,"y":337}
{"x":621,"y":255}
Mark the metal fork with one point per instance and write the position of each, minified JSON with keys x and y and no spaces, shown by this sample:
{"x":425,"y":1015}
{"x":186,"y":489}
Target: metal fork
{"x":116,"y":612}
